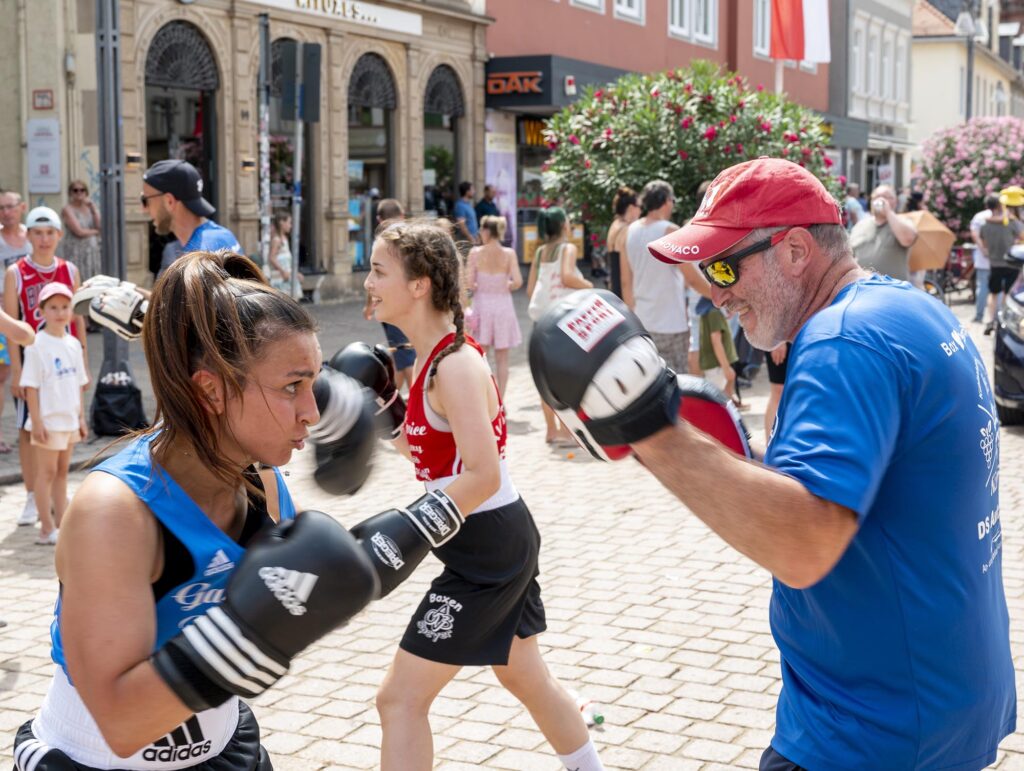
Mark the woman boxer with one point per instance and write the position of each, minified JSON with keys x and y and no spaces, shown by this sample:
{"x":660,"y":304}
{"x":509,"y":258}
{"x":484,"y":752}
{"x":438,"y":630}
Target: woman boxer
{"x":169,"y":608}
{"x":485,"y":607}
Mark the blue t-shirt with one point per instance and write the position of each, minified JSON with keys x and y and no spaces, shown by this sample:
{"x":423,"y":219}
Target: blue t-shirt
{"x":211,"y":237}
{"x":900,"y":657}
{"x":465,"y":211}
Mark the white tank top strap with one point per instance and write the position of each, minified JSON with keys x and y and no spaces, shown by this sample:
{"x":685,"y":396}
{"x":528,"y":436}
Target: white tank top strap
{"x":433,"y":418}
{"x":506,"y":494}
{"x":65,"y":724}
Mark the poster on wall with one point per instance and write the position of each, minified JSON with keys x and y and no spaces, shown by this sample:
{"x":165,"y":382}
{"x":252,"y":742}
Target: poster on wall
{"x":43,"y":152}
{"x":500,"y":166}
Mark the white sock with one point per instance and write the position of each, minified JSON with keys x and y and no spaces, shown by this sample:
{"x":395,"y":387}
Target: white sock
{"x":583,"y":759}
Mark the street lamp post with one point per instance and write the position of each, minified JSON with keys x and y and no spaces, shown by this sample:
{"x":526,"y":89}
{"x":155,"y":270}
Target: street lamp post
{"x":966,"y":28}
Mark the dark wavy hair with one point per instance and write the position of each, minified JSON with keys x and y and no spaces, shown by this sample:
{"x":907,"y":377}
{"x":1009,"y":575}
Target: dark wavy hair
{"x":624,"y":198}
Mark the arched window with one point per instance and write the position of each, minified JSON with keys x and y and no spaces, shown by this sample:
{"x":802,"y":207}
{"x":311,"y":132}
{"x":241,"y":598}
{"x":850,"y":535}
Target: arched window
{"x":182,"y":80}
{"x":443,"y":106}
{"x":179,"y":57}
{"x":282,"y":156}
{"x":372,"y":100}
{"x":444,"y":94}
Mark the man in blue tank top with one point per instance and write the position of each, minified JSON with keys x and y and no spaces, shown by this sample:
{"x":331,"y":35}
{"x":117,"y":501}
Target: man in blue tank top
{"x":172,"y":195}
{"x":877,"y":510}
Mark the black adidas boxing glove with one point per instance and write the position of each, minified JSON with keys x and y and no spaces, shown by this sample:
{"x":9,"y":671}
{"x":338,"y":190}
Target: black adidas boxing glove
{"x":344,"y":437}
{"x":398,"y":540}
{"x":596,"y":366}
{"x":298,"y":581}
{"x":374,"y":368}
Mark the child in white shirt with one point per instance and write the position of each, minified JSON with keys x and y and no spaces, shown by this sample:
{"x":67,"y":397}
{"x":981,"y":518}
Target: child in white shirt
{"x":54,"y":377}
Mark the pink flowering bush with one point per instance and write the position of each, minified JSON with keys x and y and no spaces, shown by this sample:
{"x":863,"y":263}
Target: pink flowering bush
{"x":963,"y":164}
{"x":683,"y":126}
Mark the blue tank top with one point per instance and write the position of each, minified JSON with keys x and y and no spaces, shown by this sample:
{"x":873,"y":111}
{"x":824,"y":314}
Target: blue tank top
{"x":214,"y":554}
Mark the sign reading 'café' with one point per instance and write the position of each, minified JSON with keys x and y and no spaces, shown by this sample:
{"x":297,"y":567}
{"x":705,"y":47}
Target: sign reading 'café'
{"x":356,"y":12}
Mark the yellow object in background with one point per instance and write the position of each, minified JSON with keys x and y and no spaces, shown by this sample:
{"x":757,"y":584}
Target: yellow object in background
{"x":1012,"y":196}
{"x":530,"y":242}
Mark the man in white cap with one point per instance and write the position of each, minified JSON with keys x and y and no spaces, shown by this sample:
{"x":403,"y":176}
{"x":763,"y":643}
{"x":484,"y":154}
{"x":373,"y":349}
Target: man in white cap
{"x":23,"y":282}
{"x":876,"y":508}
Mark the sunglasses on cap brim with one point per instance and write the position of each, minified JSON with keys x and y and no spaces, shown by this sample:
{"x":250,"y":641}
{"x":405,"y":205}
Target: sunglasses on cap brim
{"x":725,"y":271}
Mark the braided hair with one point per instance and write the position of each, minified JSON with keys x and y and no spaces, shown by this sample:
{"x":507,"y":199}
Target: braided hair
{"x":427,"y":250}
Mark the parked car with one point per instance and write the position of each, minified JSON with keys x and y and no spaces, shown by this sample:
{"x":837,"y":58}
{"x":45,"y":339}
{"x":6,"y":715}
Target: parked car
{"x":1009,"y":357}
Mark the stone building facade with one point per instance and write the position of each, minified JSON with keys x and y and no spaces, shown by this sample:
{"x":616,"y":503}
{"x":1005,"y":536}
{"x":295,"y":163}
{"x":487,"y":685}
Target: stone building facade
{"x":189,"y":74}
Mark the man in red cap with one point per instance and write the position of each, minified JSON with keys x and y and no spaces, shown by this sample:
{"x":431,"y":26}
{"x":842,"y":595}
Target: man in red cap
{"x":877,"y":506}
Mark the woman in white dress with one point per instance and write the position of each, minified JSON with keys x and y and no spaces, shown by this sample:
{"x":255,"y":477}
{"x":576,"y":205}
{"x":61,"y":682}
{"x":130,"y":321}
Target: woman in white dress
{"x":280,"y":262}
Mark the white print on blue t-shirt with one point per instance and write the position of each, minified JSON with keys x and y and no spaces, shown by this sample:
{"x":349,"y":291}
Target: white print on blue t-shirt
{"x":957,"y":341}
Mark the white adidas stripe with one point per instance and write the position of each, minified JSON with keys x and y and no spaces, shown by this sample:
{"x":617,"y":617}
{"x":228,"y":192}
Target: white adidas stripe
{"x":301,"y":584}
{"x":342,"y":410}
{"x":244,"y":666}
{"x":230,"y":654}
{"x":244,"y":643}
{"x":29,"y":753}
{"x":241,"y":685}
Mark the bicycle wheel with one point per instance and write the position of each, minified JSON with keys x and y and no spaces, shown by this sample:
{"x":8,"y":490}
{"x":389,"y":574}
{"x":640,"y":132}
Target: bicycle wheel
{"x":933,"y":286}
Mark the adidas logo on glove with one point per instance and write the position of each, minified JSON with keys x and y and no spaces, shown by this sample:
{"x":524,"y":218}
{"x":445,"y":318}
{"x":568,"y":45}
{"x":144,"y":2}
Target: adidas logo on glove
{"x":291,"y":587}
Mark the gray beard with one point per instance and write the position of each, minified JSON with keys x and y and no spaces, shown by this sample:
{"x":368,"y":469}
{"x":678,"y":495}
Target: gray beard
{"x":773,"y":328}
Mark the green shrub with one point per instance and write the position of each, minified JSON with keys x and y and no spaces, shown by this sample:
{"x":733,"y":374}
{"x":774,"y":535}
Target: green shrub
{"x":683,"y":126}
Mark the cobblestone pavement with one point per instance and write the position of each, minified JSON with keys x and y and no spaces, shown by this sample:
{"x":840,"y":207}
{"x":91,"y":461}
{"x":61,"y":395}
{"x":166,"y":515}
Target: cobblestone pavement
{"x":649,"y":614}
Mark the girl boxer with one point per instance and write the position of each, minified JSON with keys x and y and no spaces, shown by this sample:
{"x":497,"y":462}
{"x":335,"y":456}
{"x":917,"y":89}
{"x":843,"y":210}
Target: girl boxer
{"x":485,"y":607}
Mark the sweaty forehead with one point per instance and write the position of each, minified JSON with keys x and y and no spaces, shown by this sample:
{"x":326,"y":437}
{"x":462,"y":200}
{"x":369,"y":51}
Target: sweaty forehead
{"x":295,"y":351}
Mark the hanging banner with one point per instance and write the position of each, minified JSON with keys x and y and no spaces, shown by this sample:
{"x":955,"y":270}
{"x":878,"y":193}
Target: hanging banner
{"x":43,"y":137}
{"x":500,"y":166}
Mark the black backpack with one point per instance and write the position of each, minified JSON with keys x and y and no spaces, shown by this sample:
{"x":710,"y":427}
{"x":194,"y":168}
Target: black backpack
{"x":117,"y":405}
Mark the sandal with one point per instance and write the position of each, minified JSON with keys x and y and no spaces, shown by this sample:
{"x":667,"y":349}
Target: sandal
{"x":4,"y":447}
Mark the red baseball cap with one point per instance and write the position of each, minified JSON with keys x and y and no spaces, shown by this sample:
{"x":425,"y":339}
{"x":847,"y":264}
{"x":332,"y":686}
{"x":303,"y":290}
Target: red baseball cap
{"x":763,"y":193}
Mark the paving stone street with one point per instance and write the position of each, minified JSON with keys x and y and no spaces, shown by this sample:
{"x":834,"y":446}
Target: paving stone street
{"x":649,"y":614}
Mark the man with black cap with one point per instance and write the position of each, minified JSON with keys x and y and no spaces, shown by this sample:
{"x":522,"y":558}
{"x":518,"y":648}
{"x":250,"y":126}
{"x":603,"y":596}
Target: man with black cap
{"x":877,"y":506}
{"x":172,"y":195}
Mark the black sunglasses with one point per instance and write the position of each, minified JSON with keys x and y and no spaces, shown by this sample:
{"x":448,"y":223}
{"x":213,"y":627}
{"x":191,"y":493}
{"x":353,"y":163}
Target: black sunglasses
{"x":725,"y":271}
{"x":144,"y":199}
{"x":79,"y":190}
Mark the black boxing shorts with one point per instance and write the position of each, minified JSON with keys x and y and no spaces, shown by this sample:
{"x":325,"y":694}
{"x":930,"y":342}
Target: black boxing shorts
{"x":487,"y":594}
